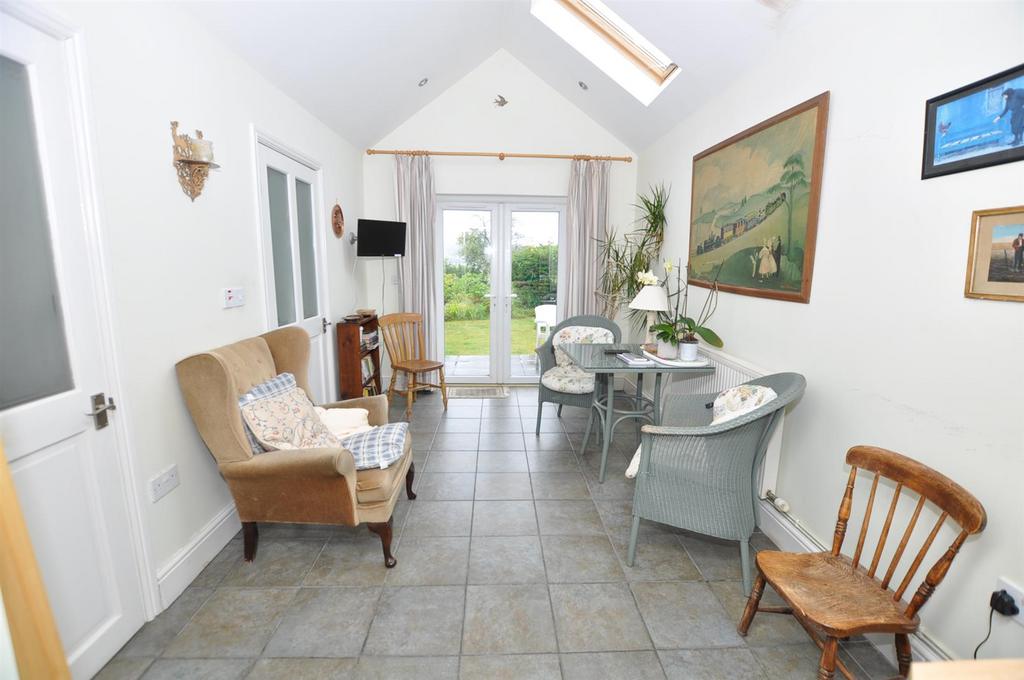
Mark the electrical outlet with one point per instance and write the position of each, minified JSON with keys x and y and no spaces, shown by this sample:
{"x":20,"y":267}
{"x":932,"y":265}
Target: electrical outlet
{"x":1018,"y":596}
{"x":164,"y":483}
{"x":234,"y":297}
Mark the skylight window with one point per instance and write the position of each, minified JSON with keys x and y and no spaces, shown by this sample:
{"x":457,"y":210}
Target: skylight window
{"x":610,"y":43}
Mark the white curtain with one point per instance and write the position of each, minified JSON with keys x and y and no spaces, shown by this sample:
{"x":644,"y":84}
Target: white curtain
{"x":414,"y":184}
{"x":586,"y":220}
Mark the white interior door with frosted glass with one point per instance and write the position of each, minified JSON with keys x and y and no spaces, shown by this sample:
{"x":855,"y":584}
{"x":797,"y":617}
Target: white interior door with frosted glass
{"x":68,"y":469}
{"x":292,"y":247}
{"x":500,"y":285}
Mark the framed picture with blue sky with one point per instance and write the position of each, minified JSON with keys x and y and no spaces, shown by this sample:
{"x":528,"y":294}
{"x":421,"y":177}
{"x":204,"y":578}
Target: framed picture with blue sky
{"x":975,"y":126}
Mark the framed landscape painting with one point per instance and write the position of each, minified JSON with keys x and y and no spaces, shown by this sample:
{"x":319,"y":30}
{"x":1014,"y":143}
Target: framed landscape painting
{"x":975,"y":126}
{"x":995,"y":258}
{"x":754,"y":206}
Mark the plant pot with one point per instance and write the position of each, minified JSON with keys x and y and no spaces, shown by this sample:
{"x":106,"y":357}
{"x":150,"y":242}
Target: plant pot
{"x":688,"y":351}
{"x":666,"y":350}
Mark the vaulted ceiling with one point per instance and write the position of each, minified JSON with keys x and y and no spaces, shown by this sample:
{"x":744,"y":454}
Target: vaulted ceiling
{"x":357,"y":64}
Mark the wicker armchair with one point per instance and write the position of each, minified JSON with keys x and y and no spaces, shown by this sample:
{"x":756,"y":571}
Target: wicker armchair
{"x":546,"y":354}
{"x":701,"y":477}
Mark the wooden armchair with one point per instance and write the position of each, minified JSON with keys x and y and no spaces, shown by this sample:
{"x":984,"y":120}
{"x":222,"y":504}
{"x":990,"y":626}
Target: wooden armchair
{"x":837,"y":595}
{"x":403,"y":337}
{"x":313,"y":486}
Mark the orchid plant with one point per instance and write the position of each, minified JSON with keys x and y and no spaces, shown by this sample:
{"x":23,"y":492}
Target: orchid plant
{"x":677,"y":326}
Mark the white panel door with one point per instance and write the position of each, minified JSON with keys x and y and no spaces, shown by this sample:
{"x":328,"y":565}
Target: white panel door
{"x":68,"y":474}
{"x":292,"y":247}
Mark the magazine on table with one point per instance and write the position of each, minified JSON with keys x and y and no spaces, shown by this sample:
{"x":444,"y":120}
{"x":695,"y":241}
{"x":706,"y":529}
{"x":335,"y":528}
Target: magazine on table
{"x":631,"y":359}
{"x":701,"y":361}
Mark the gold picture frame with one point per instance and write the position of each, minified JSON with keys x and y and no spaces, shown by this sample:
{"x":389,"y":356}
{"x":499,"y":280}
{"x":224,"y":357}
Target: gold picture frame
{"x":995,"y":267}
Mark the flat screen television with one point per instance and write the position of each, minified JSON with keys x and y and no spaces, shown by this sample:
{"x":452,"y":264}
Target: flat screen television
{"x":380,"y":238}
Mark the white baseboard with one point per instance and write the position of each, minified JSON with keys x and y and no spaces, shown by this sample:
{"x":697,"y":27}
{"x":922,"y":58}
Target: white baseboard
{"x":173,"y":577}
{"x":787,"y":533}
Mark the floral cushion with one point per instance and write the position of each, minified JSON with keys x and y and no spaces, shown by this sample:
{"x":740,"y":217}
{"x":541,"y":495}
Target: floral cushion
{"x":578,"y":335}
{"x":279,"y":415}
{"x":568,"y":380}
{"x":735,"y":401}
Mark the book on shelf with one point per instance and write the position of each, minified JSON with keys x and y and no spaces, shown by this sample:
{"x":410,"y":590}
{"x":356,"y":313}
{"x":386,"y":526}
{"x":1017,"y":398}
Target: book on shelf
{"x":367,"y":368}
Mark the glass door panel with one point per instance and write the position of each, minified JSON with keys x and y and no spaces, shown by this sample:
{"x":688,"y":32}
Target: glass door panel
{"x":307,"y":249}
{"x":534,"y":286}
{"x":468,"y":295}
{"x":281,"y":242}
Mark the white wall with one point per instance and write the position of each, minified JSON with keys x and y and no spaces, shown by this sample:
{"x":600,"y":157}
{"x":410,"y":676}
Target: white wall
{"x":893,"y":353}
{"x":169,"y":258}
{"x":537,"y":119}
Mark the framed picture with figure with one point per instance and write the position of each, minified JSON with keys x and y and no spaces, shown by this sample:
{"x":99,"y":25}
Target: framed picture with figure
{"x":995,"y":258}
{"x":754,"y":206}
{"x":975,"y":126}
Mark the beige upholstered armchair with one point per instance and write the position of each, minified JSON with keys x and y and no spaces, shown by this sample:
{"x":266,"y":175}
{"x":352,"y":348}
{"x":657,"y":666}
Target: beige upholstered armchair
{"x":313,"y":486}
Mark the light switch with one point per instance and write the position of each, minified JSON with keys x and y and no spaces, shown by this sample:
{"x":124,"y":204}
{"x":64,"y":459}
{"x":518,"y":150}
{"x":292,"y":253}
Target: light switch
{"x":234,"y":297}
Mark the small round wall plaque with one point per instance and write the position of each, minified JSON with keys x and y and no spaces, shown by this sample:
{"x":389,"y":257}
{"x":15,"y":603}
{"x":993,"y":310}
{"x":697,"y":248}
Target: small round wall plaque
{"x":337,"y":220}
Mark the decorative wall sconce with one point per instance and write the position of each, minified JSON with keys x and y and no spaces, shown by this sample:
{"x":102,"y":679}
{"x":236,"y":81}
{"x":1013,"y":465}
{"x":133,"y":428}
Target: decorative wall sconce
{"x":193,"y":159}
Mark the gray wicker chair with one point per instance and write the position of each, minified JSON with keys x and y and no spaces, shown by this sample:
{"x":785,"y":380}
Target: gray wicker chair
{"x":546,"y":353}
{"x":701,"y":477}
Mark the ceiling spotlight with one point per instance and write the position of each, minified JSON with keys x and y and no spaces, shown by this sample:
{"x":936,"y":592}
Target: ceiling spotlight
{"x":583,"y":85}
{"x":423,"y":82}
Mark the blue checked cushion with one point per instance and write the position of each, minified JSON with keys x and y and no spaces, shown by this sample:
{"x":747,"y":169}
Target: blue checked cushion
{"x":378,"y":447}
{"x":277,"y":415}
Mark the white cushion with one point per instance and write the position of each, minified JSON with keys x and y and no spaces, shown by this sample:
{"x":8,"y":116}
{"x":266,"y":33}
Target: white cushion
{"x":568,"y":380}
{"x":578,"y":335}
{"x":735,"y":401}
{"x":634,"y":465}
{"x":343,"y":422}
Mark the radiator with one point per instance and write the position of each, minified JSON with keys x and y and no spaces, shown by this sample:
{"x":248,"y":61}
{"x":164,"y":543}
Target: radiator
{"x":729,"y":372}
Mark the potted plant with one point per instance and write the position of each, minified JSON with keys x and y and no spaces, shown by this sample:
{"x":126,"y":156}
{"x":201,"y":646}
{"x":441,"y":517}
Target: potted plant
{"x":678,"y":325}
{"x":667,"y":333}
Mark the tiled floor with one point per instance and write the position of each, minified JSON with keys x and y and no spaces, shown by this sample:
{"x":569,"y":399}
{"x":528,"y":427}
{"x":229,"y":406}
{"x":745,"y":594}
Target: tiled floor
{"x":510,"y":565}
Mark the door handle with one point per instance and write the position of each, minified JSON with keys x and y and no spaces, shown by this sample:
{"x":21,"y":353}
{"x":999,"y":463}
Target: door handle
{"x":100,"y":405}
{"x":513,"y":295}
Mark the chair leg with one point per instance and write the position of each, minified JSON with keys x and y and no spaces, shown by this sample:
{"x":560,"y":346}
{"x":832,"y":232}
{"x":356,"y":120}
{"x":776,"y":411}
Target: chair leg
{"x":634,"y":534}
{"x":250,"y":539}
{"x":383,"y":529}
{"x":827,"y":667}
{"x":903,"y":653}
{"x":409,"y":477}
{"x":444,"y":389}
{"x":752,"y":604}
{"x":560,"y":410}
{"x":745,"y":565}
{"x":540,"y":409}
{"x":410,"y":382}
{"x":391,"y":387}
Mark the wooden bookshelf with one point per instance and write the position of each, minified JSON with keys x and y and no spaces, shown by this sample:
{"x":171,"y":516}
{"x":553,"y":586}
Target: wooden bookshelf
{"x":351,"y":355}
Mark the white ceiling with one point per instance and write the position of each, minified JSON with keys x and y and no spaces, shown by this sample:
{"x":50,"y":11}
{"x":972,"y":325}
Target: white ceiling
{"x":356,"y":64}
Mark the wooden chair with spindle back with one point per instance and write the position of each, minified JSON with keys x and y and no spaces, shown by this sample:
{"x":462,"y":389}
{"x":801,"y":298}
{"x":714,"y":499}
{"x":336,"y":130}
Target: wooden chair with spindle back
{"x":403,"y":338}
{"x":835,"y":594}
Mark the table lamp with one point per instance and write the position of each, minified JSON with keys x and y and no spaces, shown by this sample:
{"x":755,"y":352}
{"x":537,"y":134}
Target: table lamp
{"x":651,"y":299}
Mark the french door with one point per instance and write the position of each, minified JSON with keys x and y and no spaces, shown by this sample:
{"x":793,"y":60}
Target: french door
{"x":292,"y":234}
{"x":500,"y":284}
{"x":69,"y":468}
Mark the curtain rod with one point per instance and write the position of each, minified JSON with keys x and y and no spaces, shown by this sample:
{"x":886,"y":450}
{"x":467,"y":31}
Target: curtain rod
{"x":500,"y":155}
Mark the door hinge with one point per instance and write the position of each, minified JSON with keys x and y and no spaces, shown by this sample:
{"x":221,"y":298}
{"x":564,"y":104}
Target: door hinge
{"x":100,"y":405}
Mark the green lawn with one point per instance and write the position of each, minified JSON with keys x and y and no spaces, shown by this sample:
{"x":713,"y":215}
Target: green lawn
{"x":473,"y":337}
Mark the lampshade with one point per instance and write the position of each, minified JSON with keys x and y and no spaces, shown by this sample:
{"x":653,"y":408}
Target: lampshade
{"x":651,"y":298}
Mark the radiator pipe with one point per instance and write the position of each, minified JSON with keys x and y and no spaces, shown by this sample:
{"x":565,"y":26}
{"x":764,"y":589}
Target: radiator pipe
{"x":780,"y":503}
